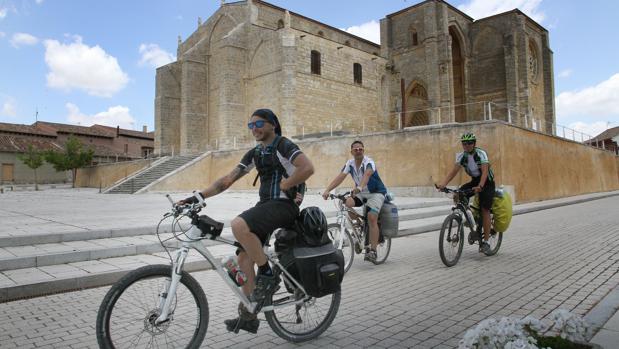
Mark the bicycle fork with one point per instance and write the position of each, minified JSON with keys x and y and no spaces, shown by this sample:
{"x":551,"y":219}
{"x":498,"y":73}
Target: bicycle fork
{"x":169,"y":289}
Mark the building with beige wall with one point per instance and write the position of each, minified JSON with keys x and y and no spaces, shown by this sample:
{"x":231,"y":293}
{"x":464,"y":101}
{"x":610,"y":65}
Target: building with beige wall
{"x":435,"y":65}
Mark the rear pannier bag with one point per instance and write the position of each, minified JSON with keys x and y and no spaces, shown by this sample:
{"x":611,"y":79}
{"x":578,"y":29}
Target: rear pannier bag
{"x":319,"y":269}
{"x":388,"y":220}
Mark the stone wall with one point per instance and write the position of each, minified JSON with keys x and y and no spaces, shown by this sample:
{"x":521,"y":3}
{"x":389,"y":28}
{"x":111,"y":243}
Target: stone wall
{"x":538,"y":166}
{"x":104,"y":175}
{"x":24,"y":174}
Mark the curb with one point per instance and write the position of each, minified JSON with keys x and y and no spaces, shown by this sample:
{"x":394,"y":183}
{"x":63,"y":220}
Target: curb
{"x":603,"y":311}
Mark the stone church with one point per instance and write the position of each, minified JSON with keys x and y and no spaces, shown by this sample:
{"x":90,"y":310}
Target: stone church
{"x":435,"y":65}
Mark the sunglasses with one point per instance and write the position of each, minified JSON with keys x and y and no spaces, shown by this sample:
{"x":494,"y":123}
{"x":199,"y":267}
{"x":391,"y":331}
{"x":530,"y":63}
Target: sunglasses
{"x":256,"y":124}
{"x":357,"y":149}
{"x":468,"y":143}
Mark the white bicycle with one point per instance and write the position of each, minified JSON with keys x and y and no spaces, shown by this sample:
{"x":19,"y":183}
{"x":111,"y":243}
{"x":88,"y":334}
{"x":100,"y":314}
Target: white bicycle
{"x":164,"y":306}
{"x":350,"y":233}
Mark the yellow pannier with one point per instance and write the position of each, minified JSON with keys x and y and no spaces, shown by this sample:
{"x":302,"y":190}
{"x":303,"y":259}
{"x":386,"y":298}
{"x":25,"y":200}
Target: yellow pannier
{"x":501,"y":209}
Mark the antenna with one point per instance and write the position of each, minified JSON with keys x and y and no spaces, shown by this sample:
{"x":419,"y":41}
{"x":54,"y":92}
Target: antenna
{"x":36,"y":114}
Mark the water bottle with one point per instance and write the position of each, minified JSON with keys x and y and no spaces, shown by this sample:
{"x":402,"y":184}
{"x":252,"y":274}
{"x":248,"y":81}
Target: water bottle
{"x":469,"y":214}
{"x":234,"y":271}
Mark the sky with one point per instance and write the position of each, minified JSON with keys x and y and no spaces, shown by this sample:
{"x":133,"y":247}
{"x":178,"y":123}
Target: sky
{"x":85,"y":61}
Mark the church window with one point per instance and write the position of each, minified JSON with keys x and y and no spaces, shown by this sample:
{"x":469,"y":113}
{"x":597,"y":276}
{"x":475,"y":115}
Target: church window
{"x":414,"y":38}
{"x":357,"y":73}
{"x":280,"y":24}
{"x":533,"y":64}
{"x":315,"y":62}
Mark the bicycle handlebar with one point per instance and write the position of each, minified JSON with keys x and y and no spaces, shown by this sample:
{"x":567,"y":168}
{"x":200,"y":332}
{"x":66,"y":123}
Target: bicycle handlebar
{"x":448,"y":190}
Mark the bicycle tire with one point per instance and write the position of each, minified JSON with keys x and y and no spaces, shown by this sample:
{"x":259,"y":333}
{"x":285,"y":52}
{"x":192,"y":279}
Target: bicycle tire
{"x":446,"y":231}
{"x":112,"y":304}
{"x":495,"y":239}
{"x":278,"y":319}
{"x":348,"y":249}
{"x":382,"y":251}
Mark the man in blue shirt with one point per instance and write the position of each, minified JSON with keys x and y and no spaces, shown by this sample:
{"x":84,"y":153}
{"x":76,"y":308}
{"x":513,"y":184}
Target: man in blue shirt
{"x":368,"y":187}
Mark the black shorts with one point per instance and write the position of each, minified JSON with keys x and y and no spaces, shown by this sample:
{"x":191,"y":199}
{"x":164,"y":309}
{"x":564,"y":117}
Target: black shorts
{"x":269,"y":215}
{"x":487,"y":193}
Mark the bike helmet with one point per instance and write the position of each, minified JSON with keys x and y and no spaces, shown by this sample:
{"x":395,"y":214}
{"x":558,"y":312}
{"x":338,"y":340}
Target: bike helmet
{"x":314,"y":224}
{"x":467,"y":137}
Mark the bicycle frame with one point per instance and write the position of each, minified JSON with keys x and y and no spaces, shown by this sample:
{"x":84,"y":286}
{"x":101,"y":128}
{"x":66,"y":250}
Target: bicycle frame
{"x":194,"y":237}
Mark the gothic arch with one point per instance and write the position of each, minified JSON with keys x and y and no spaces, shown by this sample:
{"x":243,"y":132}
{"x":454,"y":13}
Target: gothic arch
{"x":417,"y":111}
{"x":261,"y":55}
{"x":458,"y":74}
{"x":224,"y":24}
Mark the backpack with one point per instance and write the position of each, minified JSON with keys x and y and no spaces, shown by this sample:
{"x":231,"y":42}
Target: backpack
{"x":291,"y":192}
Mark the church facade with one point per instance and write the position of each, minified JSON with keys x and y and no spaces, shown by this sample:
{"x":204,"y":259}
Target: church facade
{"x":435,"y":65}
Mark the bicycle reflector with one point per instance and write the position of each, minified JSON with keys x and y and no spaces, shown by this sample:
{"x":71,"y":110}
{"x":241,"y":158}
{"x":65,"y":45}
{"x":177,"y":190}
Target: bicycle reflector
{"x":209,"y":226}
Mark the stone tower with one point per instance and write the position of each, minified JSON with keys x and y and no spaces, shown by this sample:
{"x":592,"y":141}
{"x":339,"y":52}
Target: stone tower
{"x":445,"y":66}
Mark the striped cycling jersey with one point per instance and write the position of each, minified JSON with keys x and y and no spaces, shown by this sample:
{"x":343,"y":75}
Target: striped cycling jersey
{"x":271,"y":173}
{"x":472,"y":162}
{"x":375,"y":184}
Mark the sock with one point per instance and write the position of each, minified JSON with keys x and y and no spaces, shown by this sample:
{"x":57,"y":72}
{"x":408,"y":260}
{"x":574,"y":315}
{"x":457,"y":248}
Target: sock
{"x":265,"y":269}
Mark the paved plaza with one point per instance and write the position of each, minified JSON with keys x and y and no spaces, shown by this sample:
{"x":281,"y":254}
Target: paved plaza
{"x":565,"y":257}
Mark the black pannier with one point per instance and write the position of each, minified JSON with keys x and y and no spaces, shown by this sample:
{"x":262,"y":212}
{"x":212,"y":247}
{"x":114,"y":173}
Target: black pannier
{"x":319,"y":269}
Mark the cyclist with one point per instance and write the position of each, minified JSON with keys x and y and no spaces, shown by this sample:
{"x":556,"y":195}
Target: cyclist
{"x":282,"y":169}
{"x":368,"y":187}
{"x":477,"y":165}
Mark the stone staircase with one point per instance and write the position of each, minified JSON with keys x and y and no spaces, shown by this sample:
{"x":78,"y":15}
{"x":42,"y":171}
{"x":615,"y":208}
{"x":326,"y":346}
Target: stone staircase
{"x":153,"y":173}
{"x":49,"y":263}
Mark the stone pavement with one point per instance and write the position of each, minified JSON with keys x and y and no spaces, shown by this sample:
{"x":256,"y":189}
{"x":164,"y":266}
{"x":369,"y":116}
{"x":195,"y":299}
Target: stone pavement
{"x":564,"y":257}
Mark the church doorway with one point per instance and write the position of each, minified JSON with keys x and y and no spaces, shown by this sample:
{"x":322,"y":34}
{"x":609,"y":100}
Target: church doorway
{"x":457,"y":59}
{"x":418,"y":113}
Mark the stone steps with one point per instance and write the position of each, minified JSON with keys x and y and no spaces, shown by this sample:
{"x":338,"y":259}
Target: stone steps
{"x":133,"y":184}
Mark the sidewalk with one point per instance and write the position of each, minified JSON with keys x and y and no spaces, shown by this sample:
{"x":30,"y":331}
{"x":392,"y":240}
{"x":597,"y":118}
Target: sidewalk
{"x":32,"y":215}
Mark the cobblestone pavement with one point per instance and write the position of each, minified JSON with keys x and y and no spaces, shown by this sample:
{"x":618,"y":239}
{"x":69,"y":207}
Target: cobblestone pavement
{"x":565,"y":257}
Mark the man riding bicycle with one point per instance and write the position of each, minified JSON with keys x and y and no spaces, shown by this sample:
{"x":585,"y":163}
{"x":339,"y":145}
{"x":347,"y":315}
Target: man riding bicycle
{"x":282,"y":169}
{"x":369,"y":188}
{"x":477,"y":165}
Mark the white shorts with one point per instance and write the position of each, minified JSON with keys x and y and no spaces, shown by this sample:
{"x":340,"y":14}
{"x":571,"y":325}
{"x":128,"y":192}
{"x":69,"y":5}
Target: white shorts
{"x":374,"y":201}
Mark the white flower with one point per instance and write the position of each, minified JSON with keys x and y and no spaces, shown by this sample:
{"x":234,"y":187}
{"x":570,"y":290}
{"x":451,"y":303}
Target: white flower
{"x":510,"y":333}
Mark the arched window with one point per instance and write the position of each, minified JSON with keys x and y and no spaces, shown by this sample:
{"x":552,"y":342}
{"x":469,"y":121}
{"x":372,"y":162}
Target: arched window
{"x":280,"y":24}
{"x":414,"y":37}
{"x":315,"y":62}
{"x":357,"y":72}
{"x":321,"y":33}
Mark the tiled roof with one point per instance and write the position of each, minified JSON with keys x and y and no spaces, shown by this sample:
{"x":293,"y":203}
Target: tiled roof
{"x":126,"y":132}
{"x":608,"y":134}
{"x":19,"y":143}
{"x":73,"y":129}
{"x":24,"y":129}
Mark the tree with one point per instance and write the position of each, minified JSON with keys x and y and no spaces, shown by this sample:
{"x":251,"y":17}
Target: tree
{"x":73,"y":157}
{"x":33,"y":159}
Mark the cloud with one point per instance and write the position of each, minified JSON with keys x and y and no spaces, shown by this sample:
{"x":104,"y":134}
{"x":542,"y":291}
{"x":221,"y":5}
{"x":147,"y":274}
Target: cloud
{"x":23,"y":39}
{"x":369,"y":31}
{"x":484,"y":8}
{"x":2,"y":34}
{"x":599,"y":100}
{"x":565,"y":73}
{"x":114,"y":116}
{"x":153,"y":55}
{"x":83,"y":67}
{"x":3,"y":12}
{"x":39,"y":2}
{"x":9,"y":107}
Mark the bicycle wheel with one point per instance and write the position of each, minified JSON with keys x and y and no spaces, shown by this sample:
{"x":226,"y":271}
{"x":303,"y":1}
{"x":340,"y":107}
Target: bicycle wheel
{"x":495,"y":243}
{"x":304,"y":321}
{"x":335,"y":234}
{"x":382,"y":250}
{"x":451,"y":240}
{"x":126,"y":315}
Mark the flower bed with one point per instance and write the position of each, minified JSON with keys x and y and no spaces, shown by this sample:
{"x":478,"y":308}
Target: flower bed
{"x":564,"y":330}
